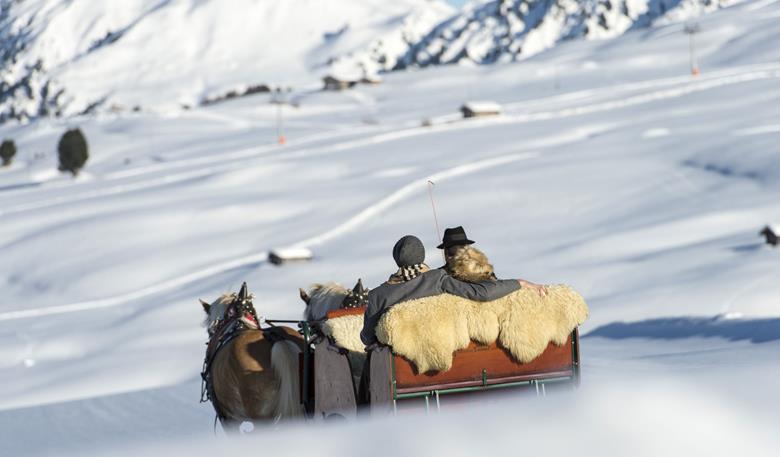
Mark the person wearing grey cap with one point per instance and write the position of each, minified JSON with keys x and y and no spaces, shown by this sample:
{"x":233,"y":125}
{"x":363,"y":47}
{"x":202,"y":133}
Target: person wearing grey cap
{"x":415,"y":280}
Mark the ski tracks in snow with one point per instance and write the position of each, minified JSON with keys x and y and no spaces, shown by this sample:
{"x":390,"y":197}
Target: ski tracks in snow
{"x":672,"y":88}
{"x":418,"y":185}
{"x":616,"y":90}
{"x":680,"y":86}
{"x":406,"y":191}
{"x":180,"y":171}
{"x":693,"y":87}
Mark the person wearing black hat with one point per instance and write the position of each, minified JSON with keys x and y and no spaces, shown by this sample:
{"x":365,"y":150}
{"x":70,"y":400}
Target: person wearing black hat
{"x":414,"y":279}
{"x":454,"y":238}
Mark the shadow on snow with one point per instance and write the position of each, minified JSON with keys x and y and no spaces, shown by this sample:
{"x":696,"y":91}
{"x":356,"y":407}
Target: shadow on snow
{"x":672,"y":328}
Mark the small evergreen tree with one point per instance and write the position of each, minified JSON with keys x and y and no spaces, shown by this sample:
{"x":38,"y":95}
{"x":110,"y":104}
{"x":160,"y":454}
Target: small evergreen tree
{"x":7,"y":151}
{"x":73,"y":151}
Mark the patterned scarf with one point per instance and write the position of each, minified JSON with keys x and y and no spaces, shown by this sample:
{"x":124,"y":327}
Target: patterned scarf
{"x":408,"y":273}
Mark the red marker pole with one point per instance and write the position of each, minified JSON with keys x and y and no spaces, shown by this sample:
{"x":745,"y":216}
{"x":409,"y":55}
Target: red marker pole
{"x":279,"y":130}
{"x":278,"y":99}
{"x":691,"y":30}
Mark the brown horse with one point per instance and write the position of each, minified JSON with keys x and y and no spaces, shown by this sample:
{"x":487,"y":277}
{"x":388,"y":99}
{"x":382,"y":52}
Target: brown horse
{"x":254,"y":375}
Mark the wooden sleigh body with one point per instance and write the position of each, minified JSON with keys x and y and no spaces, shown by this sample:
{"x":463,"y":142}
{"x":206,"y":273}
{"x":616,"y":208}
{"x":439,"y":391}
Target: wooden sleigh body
{"x":329,"y":387}
{"x":477,"y":368}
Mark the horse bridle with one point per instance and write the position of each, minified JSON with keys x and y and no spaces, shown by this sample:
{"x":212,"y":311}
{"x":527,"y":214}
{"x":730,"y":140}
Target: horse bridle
{"x":240,"y":307}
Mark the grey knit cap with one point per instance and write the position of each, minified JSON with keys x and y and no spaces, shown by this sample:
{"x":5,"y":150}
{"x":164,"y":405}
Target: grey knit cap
{"x":409,"y":251}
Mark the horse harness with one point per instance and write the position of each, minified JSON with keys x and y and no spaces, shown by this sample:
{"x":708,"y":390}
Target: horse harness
{"x":240,"y":316}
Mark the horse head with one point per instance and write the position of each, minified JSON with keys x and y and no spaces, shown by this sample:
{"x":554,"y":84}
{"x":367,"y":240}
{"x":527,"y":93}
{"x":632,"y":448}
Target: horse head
{"x":230,"y":306}
{"x":321,"y":298}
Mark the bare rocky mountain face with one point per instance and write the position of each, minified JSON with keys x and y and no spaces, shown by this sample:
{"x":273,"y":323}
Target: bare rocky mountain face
{"x":511,"y":30}
{"x":25,"y":90}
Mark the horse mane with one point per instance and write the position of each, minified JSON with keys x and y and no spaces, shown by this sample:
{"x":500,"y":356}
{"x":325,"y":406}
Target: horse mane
{"x":323,"y":298}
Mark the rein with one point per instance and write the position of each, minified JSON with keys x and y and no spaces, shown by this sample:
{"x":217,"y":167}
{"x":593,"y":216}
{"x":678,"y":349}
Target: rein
{"x":225,"y":332}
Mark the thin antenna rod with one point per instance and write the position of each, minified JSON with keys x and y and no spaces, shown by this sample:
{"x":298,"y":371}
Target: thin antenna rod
{"x":435,"y":217}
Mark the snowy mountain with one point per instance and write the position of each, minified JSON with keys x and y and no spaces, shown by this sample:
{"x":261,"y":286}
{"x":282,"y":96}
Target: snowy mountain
{"x":509,"y":30}
{"x":391,"y":44}
{"x":78,"y":56}
{"x":67,"y":58}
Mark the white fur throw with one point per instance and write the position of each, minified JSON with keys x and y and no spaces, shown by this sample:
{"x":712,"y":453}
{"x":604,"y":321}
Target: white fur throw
{"x":427,"y":331}
{"x":345,"y":331}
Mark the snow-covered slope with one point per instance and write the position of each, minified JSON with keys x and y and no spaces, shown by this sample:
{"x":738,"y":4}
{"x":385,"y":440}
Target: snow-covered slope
{"x":508,"y":30}
{"x":66,"y":58}
{"x":79,"y":55}
{"x":610,"y":169}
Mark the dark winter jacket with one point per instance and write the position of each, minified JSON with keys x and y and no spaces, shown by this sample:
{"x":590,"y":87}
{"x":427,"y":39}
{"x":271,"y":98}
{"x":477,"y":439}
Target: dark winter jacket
{"x":433,"y":282}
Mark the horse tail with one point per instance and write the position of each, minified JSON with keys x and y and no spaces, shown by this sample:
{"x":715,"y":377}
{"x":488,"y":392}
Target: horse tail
{"x":284,"y":362}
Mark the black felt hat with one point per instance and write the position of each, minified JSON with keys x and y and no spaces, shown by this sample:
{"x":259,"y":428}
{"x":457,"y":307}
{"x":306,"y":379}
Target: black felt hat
{"x":455,"y":236}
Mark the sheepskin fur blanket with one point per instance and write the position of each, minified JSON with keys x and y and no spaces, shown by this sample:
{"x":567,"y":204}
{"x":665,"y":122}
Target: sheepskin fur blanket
{"x":428,"y":330}
{"x":345,"y":331}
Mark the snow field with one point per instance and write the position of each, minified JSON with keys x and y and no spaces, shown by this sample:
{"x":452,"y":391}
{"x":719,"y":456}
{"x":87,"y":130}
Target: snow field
{"x":638,"y":185}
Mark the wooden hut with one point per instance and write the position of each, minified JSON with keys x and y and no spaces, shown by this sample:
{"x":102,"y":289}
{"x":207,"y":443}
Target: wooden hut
{"x":334,"y":83}
{"x":480,"y":109}
{"x":282,"y":256}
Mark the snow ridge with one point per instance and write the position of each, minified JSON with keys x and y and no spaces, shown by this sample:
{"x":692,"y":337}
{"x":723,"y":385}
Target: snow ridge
{"x":511,"y":30}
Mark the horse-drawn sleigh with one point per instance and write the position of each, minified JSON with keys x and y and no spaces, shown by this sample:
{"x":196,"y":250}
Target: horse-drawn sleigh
{"x":275,"y":373}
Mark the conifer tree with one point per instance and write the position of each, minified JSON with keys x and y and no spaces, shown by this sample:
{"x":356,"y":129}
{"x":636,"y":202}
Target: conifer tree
{"x":7,"y":152}
{"x":73,"y":151}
